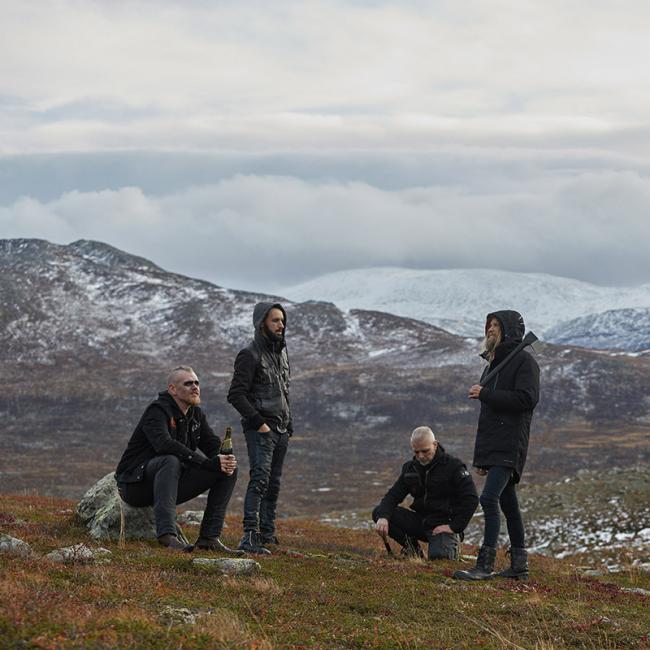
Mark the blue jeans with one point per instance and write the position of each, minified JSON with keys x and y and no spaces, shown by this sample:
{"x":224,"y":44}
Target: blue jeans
{"x":266,"y":452}
{"x":500,"y":490}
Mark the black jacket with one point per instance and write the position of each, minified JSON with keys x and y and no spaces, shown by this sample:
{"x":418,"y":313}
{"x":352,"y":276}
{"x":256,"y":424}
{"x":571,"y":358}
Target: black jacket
{"x":508,"y":401}
{"x":163,"y":429}
{"x":443,"y":492}
{"x":259,"y":389}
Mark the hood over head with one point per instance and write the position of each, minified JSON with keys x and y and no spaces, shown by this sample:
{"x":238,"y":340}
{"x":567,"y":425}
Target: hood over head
{"x":512,"y":324}
{"x":261,"y":310}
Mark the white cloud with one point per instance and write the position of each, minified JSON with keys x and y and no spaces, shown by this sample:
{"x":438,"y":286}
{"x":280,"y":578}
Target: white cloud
{"x":260,"y":232}
{"x":258,"y":76}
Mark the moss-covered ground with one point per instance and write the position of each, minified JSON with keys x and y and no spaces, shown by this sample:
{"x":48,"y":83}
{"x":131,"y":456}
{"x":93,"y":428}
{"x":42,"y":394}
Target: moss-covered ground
{"x":326,"y":588}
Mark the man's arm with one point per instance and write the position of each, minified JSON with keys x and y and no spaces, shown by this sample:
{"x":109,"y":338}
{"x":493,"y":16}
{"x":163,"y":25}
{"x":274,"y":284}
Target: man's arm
{"x":392,"y":499}
{"x":525,"y":394}
{"x":240,"y":387}
{"x":465,"y":500}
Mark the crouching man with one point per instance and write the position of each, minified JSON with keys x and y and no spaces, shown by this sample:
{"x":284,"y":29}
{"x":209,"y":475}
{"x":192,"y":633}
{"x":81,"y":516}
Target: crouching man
{"x":444,"y":500}
{"x":172,"y":457}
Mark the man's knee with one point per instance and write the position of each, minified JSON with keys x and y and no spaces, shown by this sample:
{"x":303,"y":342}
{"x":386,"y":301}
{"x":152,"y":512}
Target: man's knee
{"x":489,"y":501}
{"x":444,"y":546}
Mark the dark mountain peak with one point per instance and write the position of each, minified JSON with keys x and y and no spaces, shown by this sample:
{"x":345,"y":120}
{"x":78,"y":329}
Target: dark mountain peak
{"x":109,"y":256}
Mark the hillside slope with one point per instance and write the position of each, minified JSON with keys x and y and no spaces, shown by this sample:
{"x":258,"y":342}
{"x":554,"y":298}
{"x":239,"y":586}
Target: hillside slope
{"x":327,"y":588}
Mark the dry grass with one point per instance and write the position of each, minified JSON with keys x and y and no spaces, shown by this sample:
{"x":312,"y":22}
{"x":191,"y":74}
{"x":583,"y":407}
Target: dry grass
{"x":335,"y":589}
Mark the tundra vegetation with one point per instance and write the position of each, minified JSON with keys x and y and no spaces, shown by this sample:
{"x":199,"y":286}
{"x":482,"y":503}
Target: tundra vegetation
{"x":327,"y":587}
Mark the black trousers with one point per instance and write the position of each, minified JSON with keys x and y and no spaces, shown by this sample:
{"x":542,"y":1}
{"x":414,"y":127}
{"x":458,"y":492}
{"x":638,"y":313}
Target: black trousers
{"x":168,"y":482}
{"x":266,"y":452}
{"x":406,"y":525}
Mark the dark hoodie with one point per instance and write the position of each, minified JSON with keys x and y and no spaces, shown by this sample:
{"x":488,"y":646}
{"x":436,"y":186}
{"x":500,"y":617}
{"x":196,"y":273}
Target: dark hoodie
{"x":260,"y":384}
{"x":508,"y":401}
{"x":163,"y":429}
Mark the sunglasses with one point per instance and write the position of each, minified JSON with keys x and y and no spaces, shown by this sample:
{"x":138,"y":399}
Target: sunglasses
{"x":191,"y":382}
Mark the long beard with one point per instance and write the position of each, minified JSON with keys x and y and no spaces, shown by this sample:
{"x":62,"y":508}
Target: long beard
{"x":489,"y":346}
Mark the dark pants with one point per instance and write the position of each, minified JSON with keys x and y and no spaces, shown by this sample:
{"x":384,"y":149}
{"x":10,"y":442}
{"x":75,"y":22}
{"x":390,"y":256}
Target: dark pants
{"x":500,"y":490}
{"x":405,"y":524}
{"x":266,"y":452}
{"x":168,"y":482}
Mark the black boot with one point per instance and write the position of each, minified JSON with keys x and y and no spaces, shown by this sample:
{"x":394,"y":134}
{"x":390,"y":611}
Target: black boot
{"x":250,"y":543}
{"x":484,"y":566}
{"x":518,"y":565}
{"x":172,"y":542}
{"x":214,"y":544}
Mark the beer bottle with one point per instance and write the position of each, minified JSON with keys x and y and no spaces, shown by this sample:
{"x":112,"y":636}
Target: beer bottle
{"x":226,"y":445}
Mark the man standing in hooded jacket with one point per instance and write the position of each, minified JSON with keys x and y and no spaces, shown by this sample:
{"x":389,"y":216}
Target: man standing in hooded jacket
{"x":507,"y":403}
{"x":260,"y":392}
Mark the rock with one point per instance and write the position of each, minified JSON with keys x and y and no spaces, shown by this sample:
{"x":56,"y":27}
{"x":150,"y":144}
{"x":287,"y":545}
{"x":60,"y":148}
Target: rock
{"x":99,"y":509}
{"x":237,"y":567}
{"x":644,"y":567}
{"x":14,"y":546}
{"x":593,"y":573}
{"x":177,"y":615}
{"x":191,"y":518}
{"x":636,"y":590}
{"x":79,"y":554}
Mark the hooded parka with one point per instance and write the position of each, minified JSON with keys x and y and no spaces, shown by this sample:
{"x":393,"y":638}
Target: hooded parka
{"x":508,"y":401}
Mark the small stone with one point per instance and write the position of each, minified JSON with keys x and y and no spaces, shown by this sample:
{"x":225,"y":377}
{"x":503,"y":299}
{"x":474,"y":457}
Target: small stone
{"x":190,"y":517}
{"x":636,"y":590}
{"x":14,"y":546}
{"x":593,"y":573}
{"x":77,"y":554}
{"x":227,"y":566}
{"x":177,"y":615}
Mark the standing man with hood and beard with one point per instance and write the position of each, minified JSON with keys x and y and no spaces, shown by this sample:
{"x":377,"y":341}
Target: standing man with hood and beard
{"x":507,"y":403}
{"x":260,"y":392}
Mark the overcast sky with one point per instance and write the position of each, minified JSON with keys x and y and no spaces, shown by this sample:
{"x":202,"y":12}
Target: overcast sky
{"x":258,"y":144}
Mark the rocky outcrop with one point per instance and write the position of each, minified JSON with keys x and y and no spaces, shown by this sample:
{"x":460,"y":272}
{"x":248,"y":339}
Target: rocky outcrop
{"x":100,"y":510}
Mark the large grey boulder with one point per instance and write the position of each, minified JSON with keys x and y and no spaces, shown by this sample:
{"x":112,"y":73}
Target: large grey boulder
{"x":99,"y":509}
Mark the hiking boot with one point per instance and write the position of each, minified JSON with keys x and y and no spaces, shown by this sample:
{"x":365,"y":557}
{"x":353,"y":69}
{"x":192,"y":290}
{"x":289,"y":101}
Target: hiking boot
{"x":172,"y":542}
{"x":518,"y":565}
{"x":215,"y":544}
{"x":484,"y":566}
{"x":250,"y":544}
{"x":265,"y":540}
{"x":412,"y":548}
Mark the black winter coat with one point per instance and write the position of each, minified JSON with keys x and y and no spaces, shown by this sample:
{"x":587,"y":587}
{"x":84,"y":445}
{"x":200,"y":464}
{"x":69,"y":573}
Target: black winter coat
{"x":507,"y":402}
{"x":443,"y":492}
{"x":163,"y":429}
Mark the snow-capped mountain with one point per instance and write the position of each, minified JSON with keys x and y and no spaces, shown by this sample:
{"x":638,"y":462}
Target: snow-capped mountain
{"x":88,"y":333}
{"x":623,"y":329}
{"x":458,"y":300}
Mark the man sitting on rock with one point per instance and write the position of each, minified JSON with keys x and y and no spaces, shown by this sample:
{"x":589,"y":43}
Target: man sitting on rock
{"x":444,"y":500}
{"x":172,"y":457}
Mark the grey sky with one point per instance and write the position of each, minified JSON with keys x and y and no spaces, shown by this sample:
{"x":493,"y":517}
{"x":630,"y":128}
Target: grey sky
{"x":281,"y":140}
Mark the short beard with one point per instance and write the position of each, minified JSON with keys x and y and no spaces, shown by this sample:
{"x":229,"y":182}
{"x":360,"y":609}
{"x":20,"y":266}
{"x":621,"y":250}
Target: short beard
{"x":271,"y":336}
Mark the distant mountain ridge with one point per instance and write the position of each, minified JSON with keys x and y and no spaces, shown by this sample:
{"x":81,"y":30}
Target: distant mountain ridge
{"x":88,"y":333}
{"x":457,"y":300}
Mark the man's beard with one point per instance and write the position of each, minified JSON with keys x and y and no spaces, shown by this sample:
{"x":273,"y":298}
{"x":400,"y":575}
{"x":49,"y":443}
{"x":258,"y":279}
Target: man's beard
{"x":490,"y":345}
{"x":276,"y":338}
